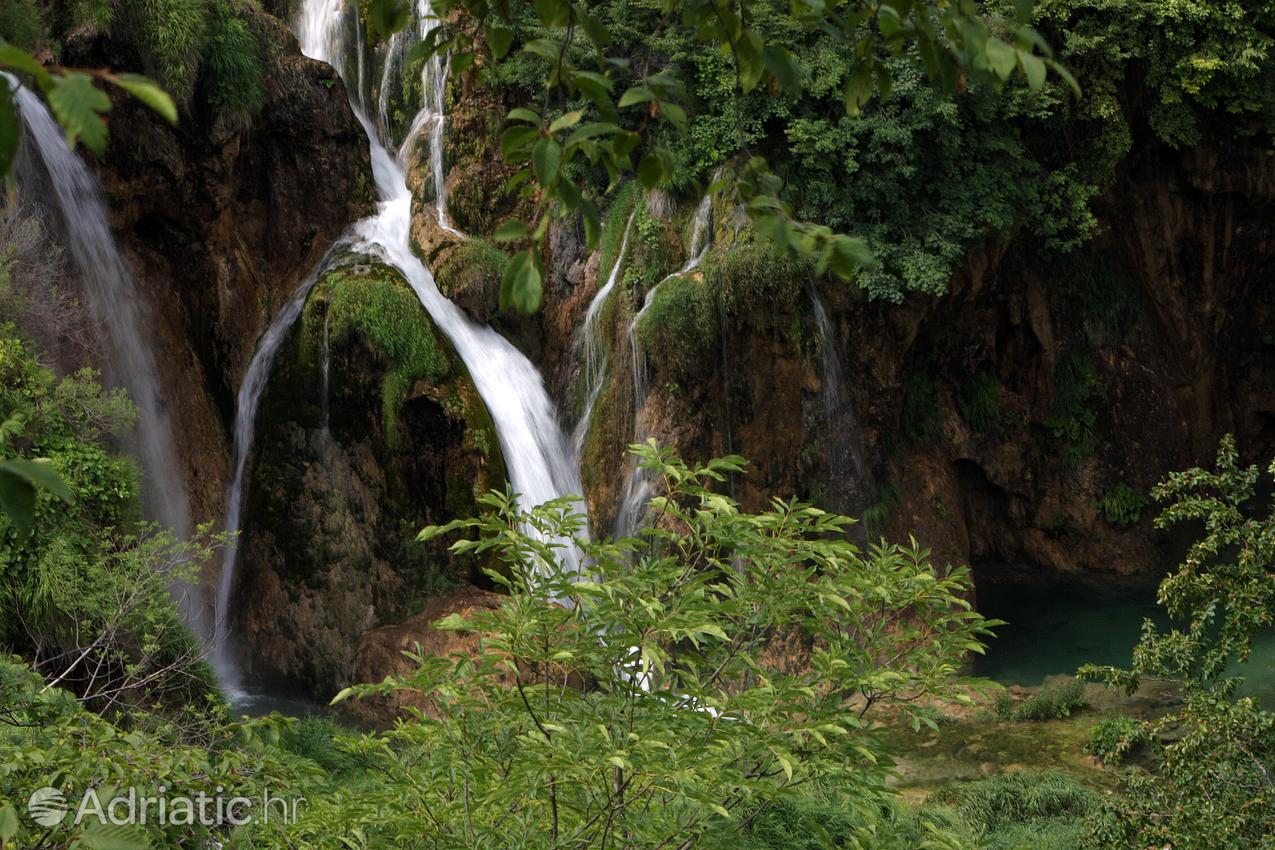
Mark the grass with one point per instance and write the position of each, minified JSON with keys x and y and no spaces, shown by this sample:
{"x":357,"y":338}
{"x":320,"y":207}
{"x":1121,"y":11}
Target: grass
{"x":1114,"y":738}
{"x":1122,"y":505}
{"x":1054,"y":703}
{"x":21,"y":24}
{"x":920,"y":408}
{"x":1042,"y":811}
{"x":231,"y":66}
{"x":981,"y":405}
{"x":1073,"y":420}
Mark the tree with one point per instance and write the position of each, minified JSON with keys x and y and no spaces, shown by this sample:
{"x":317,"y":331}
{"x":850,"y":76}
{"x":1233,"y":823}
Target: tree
{"x":1214,"y":781}
{"x":608,"y":110}
{"x":715,"y":665}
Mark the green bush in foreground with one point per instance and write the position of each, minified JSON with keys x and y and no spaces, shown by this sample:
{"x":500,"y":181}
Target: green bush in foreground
{"x":1113,"y":738}
{"x":647,"y":700}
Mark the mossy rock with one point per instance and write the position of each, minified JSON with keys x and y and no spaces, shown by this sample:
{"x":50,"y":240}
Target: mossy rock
{"x":470,"y":275}
{"x":680,"y":330}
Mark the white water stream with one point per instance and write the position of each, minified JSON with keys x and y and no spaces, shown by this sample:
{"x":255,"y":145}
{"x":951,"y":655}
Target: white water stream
{"x":111,"y":295}
{"x":640,"y":487}
{"x":540,"y":464}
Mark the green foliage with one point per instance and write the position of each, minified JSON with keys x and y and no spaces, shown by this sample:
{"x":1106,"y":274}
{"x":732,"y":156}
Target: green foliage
{"x":231,"y":72}
{"x":1073,"y":420}
{"x":680,"y":329}
{"x":1215,"y":755}
{"x":921,"y":411}
{"x":1055,"y":702}
{"x":642,"y":701}
{"x":48,"y":738}
{"x":876,"y":515}
{"x":981,"y":406}
{"x":171,"y":35}
{"x":614,"y":223}
{"x":1113,"y":738}
{"x":613,"y":112}
{"x":1122,"y":505}
{"x":756,"y":283}
{"x":378,"y":305}
{"x":20,"y":23}
{"x":1022,"y":811}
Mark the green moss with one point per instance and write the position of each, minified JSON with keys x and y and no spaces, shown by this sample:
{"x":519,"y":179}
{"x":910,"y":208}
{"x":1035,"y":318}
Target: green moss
{"x":1073,"y":420}
{"x":680,"y":330}
{"x":920,"y":408}
{"x":475,"y":265}
{"x":614,"y":224}
{"x":756,"y":282}
{"x":378,"y":305}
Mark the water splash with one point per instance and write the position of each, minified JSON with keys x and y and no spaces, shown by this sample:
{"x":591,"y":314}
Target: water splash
{"x":112,"y":297}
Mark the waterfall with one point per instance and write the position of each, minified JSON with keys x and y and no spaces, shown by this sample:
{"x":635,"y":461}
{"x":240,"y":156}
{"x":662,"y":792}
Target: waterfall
{"x":535,"y":450}
{"x":591,"y":342}
{"x":848,"y":488}
{"x":112,"y":297}
{"x":639,"y":488}
{"x":325,"y":368}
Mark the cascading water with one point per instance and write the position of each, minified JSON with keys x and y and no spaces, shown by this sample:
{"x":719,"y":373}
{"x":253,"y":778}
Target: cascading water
{"x":640,"y":487}
{"x":591,"y":343}
{"x":112,"y":297}
{"x":325,"y":404}
{"x":537,"y":457}
{"x":848,"y":487}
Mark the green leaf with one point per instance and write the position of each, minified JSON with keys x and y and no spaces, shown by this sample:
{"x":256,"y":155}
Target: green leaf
{"x":10,"y":128}
{"x":108,"y":836}
{"x":149,"y":93}
{"x":19,"y":60}
{"x":783,"y":66}
{"x":589,"y":131}
{"x":499,"y":39}
{"x":564,"y":121}
{"x":38,"y":473}
{"x":859,"y":89}
{"x":520,"y":286}
{"x":1033,"y":69}
{"x":461,"y":61}
{"x":8,"y":823}
{"x":650,"y":171}
{"x":78,"y":105}
{"x":546,"y":158}
{"x":525,"y":115}
{"x":511,"y":231}
{"x":386,"y":17}
{"x":637,"y":94}
{"x":1001,"y":57}
{"x":515,"y":139}
{"x":17,"y":501}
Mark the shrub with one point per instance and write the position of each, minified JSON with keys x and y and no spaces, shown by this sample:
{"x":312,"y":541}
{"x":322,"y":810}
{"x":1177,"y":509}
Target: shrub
{"x":1054,"y":703}
{"x":982,"y":404}
{"x":1044,"y":811}
{"x":171,"y":35}
{"x":755,"y":282}
{"x":1122,"y":505}
{"x":1113,"y":738}
{"x":20,"y":23}
{"x":231,"y":83}
{"x":1072,"y":419}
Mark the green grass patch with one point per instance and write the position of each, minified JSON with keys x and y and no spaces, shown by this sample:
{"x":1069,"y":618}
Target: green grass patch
{"x":680,"y":330}
{"x":1054,"y":703}
{"x":981,"y":405}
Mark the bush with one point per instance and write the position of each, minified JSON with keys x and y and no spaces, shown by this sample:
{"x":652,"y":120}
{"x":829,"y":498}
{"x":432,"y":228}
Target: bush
{"x":1122,"y":505}
{"x":1072,"y":420}
{"x":20,"y":23}
{"x":982,"y":404}
{"x":171,"y":35}
{"x":1112,"y":739}
{"x":231,"y":81}
{"x":1054,"y":703}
